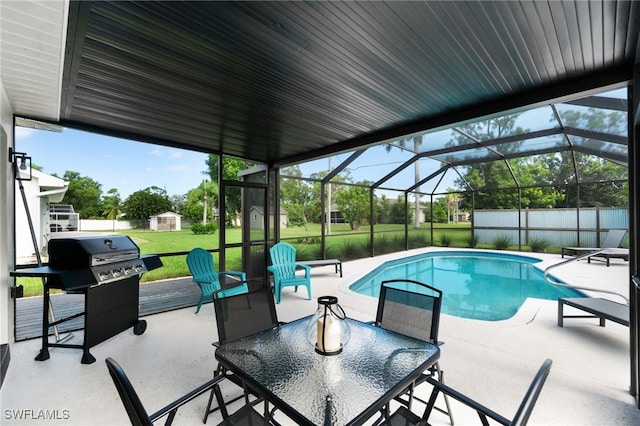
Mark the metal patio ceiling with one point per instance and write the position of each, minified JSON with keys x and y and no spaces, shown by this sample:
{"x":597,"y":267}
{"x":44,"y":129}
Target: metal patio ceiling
{"x":281,"y":82}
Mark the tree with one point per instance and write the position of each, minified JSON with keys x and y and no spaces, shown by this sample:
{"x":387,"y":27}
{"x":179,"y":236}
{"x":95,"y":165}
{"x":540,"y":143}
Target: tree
{"x":84,"y":194}
{"x":353,"y":203}
{"x":416,"y":141}
{"x":178,"y":203}
{"x":383,"y":210}
{"x":605,"y":184}
{"x":547,"y":180}
{"x":112,"y":205}
{"x":194,"y":205}
{"x":499,"y":180}
{"x":313,"y":211}
{"x":230,"y":169}
{"x":296,"y":197}
{"x":398,"y":212}
{"x":602,"y":182}
{"x":143,"y":204}
{"x":439,"y":213}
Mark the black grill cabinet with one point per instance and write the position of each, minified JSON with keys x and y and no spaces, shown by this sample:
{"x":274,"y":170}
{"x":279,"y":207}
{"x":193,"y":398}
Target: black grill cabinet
{"x":106,"y":270}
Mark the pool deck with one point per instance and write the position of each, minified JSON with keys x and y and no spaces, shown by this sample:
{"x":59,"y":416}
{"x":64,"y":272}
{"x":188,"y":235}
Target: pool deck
{"x":492,"y":361}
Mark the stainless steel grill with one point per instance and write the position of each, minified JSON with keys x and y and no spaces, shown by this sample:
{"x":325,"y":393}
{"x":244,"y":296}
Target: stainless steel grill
{"x":105,"y":259}
{"x":107,"y":271}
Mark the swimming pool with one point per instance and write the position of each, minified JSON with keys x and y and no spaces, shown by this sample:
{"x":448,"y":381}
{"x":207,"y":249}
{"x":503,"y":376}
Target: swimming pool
{"x":478,"y":285}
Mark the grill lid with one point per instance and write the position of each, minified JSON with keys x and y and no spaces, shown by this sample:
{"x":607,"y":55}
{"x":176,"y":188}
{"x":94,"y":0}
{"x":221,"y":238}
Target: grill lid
{"x":87,"y":252}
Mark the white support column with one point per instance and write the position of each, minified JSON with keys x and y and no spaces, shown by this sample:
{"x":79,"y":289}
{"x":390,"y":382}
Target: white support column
{"x":7,"y":261}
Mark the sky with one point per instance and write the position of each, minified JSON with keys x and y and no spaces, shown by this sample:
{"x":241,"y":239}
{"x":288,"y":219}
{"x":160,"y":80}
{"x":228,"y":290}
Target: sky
{"x":114,"y":163}
{"x":130,"y":166}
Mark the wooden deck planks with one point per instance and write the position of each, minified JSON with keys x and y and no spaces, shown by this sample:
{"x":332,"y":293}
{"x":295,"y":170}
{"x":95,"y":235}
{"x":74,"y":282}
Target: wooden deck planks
{"x":155,"y":297}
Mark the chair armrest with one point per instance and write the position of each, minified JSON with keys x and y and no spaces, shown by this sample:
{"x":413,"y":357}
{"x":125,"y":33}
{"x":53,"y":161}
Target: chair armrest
{"x":203,"y":279}
{"x":479,"y":408}
{"x":233,"y":285}
{"x":234,"y":274}
{"x":186,"y":398}
{"x":274,"y":271}
{"x":307,"y":269}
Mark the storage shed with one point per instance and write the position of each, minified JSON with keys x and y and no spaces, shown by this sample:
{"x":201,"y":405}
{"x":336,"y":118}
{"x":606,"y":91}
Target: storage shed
{"x":167,"y":221}
{"x":256,"y":215}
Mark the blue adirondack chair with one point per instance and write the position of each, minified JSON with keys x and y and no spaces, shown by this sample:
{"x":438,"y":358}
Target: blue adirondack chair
{"x":204,"y":273}
{"x":284,"y":266}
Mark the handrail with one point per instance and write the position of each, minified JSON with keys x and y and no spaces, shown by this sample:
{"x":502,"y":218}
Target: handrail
{"x":575,"y":259}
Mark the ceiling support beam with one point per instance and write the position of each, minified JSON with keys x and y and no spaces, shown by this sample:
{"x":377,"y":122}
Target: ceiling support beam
{"x":540,"y":96}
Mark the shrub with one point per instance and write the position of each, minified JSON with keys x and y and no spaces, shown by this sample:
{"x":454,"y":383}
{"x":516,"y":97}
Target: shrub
{"x":306,"y":252}
{"x":388,"y":243}
{"x":502,"y":242}
{"x":353,"y":250}
{"x":202,"y":229}
{"x":538,"y":244}
{"x":198,"y":229}
{"x":445,"y":240}
{"x":417,"y":240}
{"x":472,"y":241}
{"x":332,"y":251}
{"x":383,"y":244}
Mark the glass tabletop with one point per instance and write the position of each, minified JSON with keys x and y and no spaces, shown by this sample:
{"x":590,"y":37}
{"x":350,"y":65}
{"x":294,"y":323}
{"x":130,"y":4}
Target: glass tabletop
{"x":343,"y":389}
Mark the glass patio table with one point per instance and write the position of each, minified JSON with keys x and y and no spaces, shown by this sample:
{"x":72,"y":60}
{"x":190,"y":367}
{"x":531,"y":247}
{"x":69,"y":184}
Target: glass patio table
{"x":313,"y":389}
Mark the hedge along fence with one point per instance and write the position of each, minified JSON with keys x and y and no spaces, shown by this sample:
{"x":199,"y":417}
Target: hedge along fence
{"x":585,"y":227}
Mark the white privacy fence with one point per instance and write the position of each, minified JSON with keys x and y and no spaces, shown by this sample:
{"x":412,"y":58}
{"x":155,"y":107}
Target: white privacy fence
{"x":104,"y":225}
{"x":585,"y":227}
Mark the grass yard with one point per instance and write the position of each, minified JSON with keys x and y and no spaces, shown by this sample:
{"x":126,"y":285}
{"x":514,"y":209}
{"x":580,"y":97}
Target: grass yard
{"x":342,"y":243}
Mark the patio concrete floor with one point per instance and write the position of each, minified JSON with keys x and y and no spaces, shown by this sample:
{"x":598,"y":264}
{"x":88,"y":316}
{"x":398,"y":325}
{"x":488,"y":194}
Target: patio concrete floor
{"x":493,"y":362}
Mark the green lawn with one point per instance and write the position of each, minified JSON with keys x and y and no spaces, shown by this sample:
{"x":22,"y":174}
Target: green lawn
{"x":343,"y":243}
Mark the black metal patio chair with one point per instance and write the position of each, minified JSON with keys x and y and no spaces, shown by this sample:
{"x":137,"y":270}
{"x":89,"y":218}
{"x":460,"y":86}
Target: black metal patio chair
{"x":404,"y":417}
{"x":413,"y":308}
{"x":239,"y":316}
{"x":138,"y":415}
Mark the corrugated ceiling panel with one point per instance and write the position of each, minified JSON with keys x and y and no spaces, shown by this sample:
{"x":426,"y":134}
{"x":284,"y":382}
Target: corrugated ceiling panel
{"x":277,"y":81}
{"x":32,"y":39}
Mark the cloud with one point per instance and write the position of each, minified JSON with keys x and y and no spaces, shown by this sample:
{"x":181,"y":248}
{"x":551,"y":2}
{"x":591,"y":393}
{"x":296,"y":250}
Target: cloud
{"x":170,"y":153}
{"x":23,"y":132}
{"x":177,"y":168}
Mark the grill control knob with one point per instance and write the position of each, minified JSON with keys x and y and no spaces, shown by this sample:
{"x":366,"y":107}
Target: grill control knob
{"x":138,"y":268}
{"x":104,"y":275}
{"x":128,"y":269}
{"x":117,"y":272}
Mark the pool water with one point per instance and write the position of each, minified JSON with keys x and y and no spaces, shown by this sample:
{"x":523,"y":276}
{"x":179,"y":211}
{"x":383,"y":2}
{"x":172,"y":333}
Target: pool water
{"x":478,"y":285}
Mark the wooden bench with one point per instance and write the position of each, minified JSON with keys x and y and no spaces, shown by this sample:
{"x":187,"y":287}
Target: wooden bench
{"x":598,"y":308}
{"x":324,"y":262}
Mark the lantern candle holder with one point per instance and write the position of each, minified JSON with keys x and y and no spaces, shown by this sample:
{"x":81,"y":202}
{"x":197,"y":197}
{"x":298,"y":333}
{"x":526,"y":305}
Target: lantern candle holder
{"x":328,"y":330}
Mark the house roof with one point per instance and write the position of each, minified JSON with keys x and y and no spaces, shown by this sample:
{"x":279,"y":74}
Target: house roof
{"x":282,"y":82}
{"x":48,"y":182}
{"x":166,"y":214}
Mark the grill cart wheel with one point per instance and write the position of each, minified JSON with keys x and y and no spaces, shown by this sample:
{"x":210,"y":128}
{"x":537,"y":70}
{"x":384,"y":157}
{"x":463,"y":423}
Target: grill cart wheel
{"x":139,"y":327}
